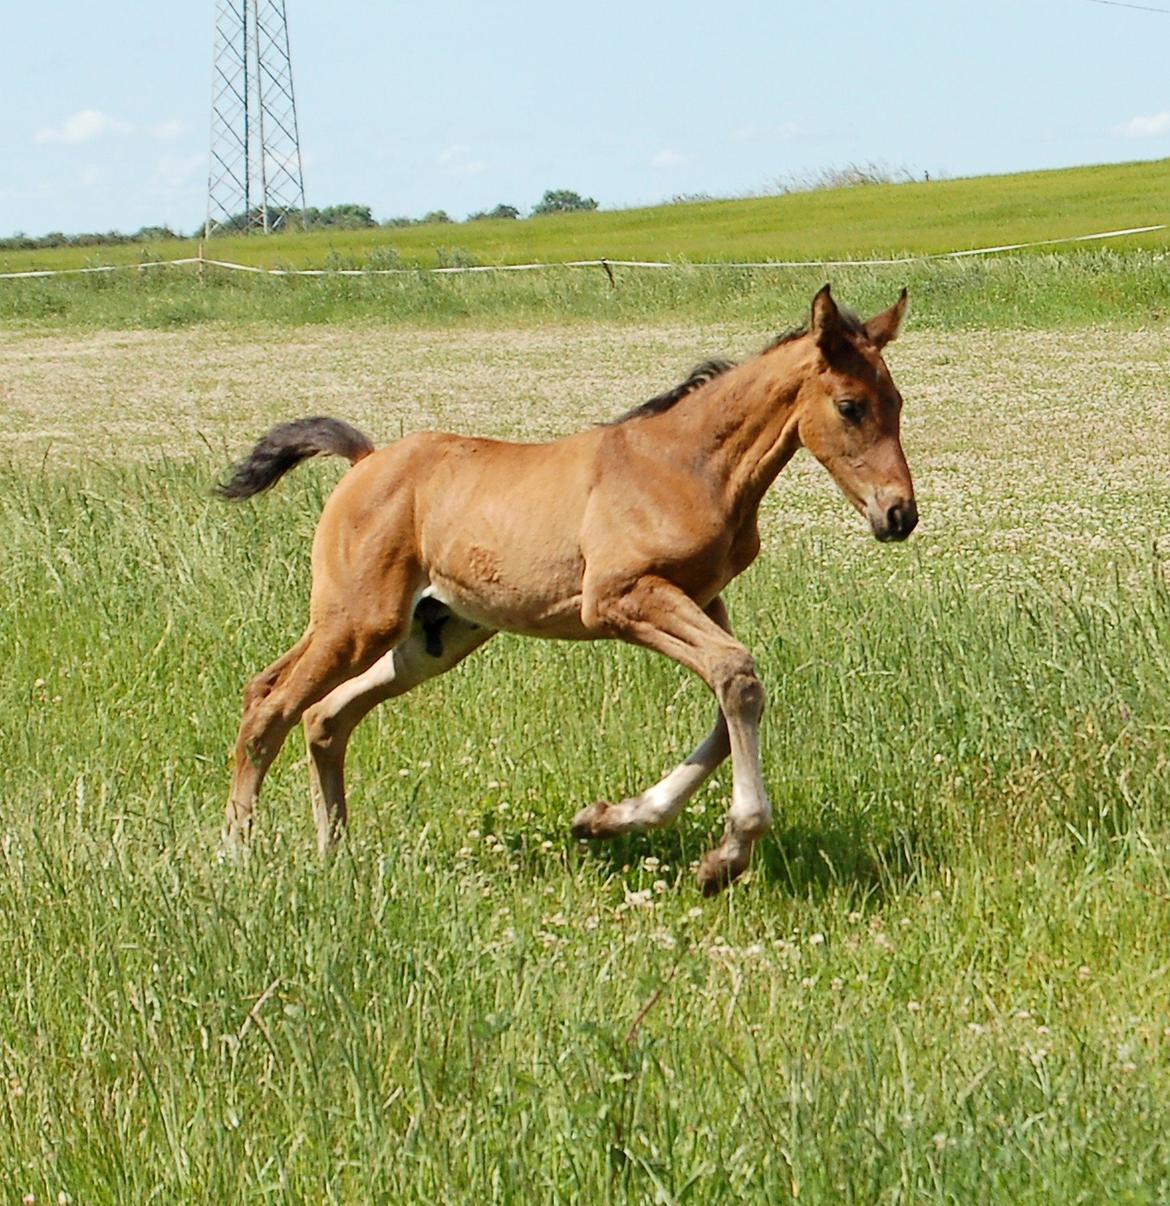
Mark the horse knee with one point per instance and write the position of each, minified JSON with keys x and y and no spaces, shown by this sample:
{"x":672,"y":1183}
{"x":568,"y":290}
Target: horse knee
{"x":740,"y":691}
{"x":320,"y":730}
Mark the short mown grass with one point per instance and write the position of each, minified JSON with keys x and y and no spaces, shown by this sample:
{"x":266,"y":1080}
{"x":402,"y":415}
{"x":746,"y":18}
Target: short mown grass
{"x":944,"y":980}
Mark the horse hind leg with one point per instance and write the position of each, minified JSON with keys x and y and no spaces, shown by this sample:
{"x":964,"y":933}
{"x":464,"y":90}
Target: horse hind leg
{"x":276,"y":699}
{"x":438,"y":640}
{"x":257,"y":744}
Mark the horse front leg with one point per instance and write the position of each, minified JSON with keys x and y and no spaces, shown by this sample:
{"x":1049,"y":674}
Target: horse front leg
{"x":659,"y":616}
{"x":658,"y":805}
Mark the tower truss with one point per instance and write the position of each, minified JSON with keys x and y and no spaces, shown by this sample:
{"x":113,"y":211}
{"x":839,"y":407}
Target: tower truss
{"x":255,"y":180}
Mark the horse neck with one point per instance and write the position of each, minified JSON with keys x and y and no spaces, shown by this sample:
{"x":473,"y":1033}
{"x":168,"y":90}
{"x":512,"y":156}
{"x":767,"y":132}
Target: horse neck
{"x":746,"y":420}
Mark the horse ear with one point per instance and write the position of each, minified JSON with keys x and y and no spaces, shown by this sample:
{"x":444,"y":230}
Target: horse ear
{"x":826,"y":326}
{"x":883,"y":328}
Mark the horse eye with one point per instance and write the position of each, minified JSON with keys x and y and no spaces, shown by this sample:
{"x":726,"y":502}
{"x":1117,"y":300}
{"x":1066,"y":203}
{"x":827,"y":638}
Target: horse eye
{"x":850,"y":411}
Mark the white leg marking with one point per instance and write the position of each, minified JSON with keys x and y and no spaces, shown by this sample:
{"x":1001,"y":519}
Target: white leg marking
{"x":660,"y":804}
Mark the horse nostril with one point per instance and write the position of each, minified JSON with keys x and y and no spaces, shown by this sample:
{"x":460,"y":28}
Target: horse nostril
{"x":902,"y":518}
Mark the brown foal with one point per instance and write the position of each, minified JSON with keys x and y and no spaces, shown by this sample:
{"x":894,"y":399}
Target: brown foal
{"x":629,"y":531}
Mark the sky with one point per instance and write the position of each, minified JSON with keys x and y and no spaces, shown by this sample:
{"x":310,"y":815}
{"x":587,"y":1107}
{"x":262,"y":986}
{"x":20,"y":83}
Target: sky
{"x":460,"y":106}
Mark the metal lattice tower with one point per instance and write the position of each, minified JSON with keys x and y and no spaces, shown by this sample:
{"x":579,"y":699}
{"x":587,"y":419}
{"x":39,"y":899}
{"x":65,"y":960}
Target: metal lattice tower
{"x":255,"y":180}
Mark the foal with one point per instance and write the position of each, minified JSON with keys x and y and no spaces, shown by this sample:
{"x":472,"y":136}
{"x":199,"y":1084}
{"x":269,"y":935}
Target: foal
{"x":629,"y":531}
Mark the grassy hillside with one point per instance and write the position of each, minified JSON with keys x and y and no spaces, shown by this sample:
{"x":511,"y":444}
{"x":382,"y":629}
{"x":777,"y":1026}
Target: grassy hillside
{"x":855,"y":223}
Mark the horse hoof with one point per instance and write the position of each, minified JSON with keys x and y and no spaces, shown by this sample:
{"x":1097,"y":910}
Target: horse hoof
{"x":589,"y":824}
{"x":233,"y":850}
{"x":717,"y":871}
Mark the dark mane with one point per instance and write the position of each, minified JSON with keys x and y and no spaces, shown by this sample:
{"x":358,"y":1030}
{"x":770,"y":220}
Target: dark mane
{"x":786,"y":337}
{"x":710,"y":369}
{"x":700,"y":375}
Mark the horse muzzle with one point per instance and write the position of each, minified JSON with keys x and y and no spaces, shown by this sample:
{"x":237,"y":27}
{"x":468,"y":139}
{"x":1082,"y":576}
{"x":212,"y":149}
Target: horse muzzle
{"x":892,"y":520}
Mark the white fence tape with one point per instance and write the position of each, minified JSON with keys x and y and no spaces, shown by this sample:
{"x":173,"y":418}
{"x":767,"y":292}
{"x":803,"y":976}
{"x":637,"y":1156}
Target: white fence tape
{"x":607,"y":264}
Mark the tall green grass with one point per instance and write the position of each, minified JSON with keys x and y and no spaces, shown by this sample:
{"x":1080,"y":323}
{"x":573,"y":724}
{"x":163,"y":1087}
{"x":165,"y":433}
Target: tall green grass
{"x":1045,"y":292}
{"x":944,"y":981}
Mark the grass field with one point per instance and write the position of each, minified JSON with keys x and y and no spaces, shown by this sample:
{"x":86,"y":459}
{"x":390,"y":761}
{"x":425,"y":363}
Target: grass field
{"x":944,"y":980}
{"x":849,"y":223}
{"x":1054,"y":292}
{"x":1119,"y":282}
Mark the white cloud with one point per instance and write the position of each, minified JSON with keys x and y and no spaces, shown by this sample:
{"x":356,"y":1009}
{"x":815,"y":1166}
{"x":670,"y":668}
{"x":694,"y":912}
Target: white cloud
{"x":82,"y":127}
{"x":667,"y":158}
{"x":89,"y":124}
{"x":1145,"y":127}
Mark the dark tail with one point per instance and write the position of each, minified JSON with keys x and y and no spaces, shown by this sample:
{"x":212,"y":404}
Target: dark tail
{"x":284,"y":447}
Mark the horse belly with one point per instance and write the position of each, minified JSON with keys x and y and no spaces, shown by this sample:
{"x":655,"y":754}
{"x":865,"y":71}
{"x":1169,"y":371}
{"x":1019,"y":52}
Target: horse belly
{"x":510,"y":584}
{"x":500,"y":537}
{"x":551,"y":610}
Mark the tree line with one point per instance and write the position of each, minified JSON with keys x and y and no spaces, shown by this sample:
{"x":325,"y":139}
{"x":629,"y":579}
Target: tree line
{"x":330,"y":217}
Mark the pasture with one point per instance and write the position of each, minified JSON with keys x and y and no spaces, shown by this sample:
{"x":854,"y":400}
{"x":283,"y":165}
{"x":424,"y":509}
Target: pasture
{"x":945,"y":977}
{"x":842,"y":223}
